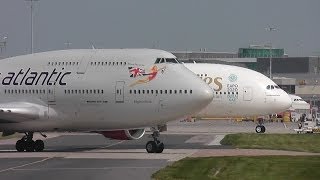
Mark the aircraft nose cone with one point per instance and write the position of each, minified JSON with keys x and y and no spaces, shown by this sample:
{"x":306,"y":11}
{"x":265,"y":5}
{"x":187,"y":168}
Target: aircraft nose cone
{"x":204,"y":96}
{"x":285,"y":101}
{"x":207,"y":95}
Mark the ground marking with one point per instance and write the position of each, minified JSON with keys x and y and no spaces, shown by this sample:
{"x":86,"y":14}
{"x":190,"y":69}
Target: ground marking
{"x":35,"y":162}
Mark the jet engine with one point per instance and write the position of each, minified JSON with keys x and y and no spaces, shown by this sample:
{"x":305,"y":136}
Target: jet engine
{"x":130,"y":134}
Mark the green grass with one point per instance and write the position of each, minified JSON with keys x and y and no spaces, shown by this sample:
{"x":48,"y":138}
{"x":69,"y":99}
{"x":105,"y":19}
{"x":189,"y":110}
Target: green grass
{"x":264,"y":167}
{"x":292,"y":142}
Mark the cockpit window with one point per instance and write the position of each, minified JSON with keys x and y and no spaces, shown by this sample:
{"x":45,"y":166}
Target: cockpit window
{"x":277,"y":87}
{"x":268,"y":87}
{"x":272,"y":87}
{"x":172,"y":60}
{"x":167,"y":60}
{"x":158,"y":61}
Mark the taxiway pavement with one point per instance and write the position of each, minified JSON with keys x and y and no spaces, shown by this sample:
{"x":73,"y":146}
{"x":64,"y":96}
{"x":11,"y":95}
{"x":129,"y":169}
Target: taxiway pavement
{"x":84,"y":156}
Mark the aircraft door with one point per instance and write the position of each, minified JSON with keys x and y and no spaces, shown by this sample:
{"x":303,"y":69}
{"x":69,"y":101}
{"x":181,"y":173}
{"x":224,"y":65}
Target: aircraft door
{"x":119,"y":92}
{"x":247,"y":93}
{"x":160,"y":105}
{"x":82,"y":68}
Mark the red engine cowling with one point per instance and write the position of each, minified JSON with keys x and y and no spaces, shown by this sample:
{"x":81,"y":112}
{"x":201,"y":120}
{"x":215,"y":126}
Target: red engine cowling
{"x":131,"y":134}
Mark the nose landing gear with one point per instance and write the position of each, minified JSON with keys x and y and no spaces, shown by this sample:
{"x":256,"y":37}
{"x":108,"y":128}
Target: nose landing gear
{"x":27,"y":144}
{"x":260,"y":129}
{"x":155,"y":146}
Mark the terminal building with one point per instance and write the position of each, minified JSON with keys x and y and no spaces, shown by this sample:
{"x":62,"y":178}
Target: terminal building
{"x":296,"y":75}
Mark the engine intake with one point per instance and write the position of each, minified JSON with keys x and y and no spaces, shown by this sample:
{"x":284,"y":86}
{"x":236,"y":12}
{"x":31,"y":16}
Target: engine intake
{"x":131,"y":134}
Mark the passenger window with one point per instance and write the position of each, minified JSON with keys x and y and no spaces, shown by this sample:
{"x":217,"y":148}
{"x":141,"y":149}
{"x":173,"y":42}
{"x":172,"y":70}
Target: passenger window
{"x":147,"y":91}
{"x":180,"y":91}
{"x":142,"y":91}
{"x":166,"y":91}
{"x":175,"y":91}
{"x":90,"y":91}
{"x":151,"y":91}
{"x":160,"y":91}
{"x":170,"y":91}
{"x":134,"y":91}
{"x":185,"y":91}
{"x":156,"y":91}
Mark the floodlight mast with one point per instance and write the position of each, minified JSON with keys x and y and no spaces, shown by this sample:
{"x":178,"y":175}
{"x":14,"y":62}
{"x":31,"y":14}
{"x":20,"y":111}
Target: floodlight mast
{"x":31,"y":8}
{"x":270,"y":29}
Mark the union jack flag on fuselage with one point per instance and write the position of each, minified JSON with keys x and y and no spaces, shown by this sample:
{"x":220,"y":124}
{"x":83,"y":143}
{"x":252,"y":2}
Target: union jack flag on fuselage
{"x":135,"y":71}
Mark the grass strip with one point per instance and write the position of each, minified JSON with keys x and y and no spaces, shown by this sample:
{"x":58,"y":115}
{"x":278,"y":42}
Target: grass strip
{"x":292,"y":142}
{"x":239,"y":167}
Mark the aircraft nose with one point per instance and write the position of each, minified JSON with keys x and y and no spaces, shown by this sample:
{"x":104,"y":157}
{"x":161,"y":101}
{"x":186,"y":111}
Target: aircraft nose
{"x":285,"y":101}
{"x":204,"y":96}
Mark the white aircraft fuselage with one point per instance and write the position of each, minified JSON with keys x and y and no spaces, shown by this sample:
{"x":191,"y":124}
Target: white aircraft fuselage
{"x":239,"y":92}
{"x":96,"y":90}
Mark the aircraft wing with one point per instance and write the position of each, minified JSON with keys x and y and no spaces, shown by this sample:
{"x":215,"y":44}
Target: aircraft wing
{"x":15,"y":112}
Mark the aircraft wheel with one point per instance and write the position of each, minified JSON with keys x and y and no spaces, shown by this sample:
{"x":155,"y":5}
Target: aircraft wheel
{"x":151,"y":147}
{"x":258,"y":129}
{"x":160,"y":148}
{"x":38,"y":145}
{"x":20,"y":145}
{"x":30,"y":146}
{"x":263,"y":129}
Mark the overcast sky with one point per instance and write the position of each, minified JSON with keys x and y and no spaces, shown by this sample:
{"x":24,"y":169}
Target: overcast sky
{"x":218,"y":25}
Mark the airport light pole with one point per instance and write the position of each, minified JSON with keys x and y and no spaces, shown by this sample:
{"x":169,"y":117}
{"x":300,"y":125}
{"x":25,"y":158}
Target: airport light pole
{"x":270,"y":29}
{"x":31,"y":8}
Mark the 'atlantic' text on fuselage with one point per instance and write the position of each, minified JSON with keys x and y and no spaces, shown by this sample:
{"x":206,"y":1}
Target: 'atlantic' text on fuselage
{"x":30,"y":77}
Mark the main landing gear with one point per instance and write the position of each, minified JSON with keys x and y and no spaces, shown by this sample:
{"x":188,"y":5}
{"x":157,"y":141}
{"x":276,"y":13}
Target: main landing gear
{"x":27,"y":144}
{"x":155,"y":146}
{"x":260,"y":129}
